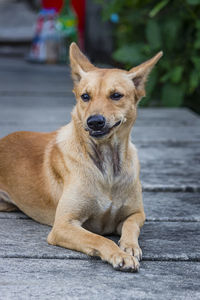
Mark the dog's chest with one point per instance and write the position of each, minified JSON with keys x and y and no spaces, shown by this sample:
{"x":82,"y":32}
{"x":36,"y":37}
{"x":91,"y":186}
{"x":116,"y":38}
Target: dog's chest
{"x":107,"y":214}
{"x":111,"y":188}
{"x":111,"y":203}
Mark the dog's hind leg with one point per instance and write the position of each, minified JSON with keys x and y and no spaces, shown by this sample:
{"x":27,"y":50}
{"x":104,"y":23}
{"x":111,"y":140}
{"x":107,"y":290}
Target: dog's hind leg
{"x":5,"y":202}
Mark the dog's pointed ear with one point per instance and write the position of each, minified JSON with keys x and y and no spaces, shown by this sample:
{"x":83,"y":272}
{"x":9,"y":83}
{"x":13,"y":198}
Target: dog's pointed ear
{"x":79,"y":63}
{"x":140,"y":74}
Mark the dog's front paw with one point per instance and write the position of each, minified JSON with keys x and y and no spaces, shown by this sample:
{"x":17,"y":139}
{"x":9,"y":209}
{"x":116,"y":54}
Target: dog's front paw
{"x":124,"y":262}
{"x":132,"y":249}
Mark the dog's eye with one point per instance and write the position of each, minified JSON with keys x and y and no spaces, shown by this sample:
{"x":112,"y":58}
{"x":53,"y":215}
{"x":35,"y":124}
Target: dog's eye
{"x":116,"y":96}
{"x":85,"y":97}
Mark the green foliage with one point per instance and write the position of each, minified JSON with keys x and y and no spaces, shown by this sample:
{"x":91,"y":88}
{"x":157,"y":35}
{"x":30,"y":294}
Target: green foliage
{"x":148,"y":26}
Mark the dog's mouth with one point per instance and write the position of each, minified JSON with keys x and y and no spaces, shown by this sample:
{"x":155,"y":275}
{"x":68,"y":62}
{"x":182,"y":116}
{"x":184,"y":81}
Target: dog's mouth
{"x":104,"y":131}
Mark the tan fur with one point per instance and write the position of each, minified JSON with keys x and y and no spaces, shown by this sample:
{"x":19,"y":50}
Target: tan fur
{"x":81,"y":185}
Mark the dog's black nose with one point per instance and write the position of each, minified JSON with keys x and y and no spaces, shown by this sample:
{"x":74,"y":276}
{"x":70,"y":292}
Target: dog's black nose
{"x":96,"y":122}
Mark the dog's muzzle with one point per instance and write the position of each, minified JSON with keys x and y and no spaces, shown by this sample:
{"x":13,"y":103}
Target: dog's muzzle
{"x":97,"y":126}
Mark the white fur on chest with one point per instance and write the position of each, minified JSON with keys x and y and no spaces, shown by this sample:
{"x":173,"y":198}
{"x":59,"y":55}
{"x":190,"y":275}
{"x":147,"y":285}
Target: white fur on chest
{"x":113,"y":194}
{"x":112,"y":204}
{"x":107,"y":216}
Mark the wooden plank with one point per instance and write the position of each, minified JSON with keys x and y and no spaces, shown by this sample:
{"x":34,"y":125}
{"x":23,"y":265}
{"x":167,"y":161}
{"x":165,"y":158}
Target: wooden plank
{"x":159,"y":241}
{"x":170,"y":165}
{"x":168,"y":117}
{"x":93,"y":279}
{"x":183,"y":207}
{"x":171,"y":241}
{"x":19,"y":76}
{"x":13,"y":215}
{"x":10,"y":65}
{"x":29,"y":85}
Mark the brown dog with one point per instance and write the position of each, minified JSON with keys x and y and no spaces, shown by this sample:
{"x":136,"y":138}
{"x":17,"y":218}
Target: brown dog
{"x":84,"y":178}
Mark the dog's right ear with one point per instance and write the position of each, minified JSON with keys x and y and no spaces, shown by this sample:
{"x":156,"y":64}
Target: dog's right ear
{"x":79,"y":63}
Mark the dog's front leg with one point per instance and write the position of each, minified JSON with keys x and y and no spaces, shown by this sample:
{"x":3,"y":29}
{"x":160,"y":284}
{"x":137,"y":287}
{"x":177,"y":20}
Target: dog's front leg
{"x":130,"y":231}
{"x":68,"y":232}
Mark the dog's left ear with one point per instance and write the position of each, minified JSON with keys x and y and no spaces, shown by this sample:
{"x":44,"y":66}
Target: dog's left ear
{"x":79,"y":63}
{"x":140,"y":74}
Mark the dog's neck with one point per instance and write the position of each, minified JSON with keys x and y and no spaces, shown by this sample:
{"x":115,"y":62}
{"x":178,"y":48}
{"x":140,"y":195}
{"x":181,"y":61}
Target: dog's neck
{"x":104,"y":153}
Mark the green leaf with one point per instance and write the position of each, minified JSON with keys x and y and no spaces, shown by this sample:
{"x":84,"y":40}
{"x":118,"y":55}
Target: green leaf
{"x":109,"y":8}
{"x":171,"y":29}
{"x":197,"y":40}
{"x":153,"y":34}
{"x":157,"y":8}
{"x":172,"y":95}
{"x":193,"y":2}
{"x":129,"y":54}
{"x":194,"y":81}
{"x":165,"y":77}
{"x":197,"y":24}
{"x":176,"y":74}
{"x":196,"y":62}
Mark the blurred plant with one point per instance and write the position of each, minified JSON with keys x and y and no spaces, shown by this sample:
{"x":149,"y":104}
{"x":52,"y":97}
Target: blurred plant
{"x":145,"y":27}
{"x":66,"y":26}
{"x":67,"y":22}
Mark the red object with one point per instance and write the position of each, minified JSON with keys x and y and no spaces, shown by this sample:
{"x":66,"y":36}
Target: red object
{"x":56,"y":4}
{"x":79,"y":8}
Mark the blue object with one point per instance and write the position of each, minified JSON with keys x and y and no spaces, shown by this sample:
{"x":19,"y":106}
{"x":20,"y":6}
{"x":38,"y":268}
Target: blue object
{"x":114,"y":18}
{"x":46,"y":12}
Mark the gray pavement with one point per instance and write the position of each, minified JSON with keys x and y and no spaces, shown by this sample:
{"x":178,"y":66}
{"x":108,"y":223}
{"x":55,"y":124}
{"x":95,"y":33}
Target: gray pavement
{"x":17,"y":21}
{"x":39,"y":98}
